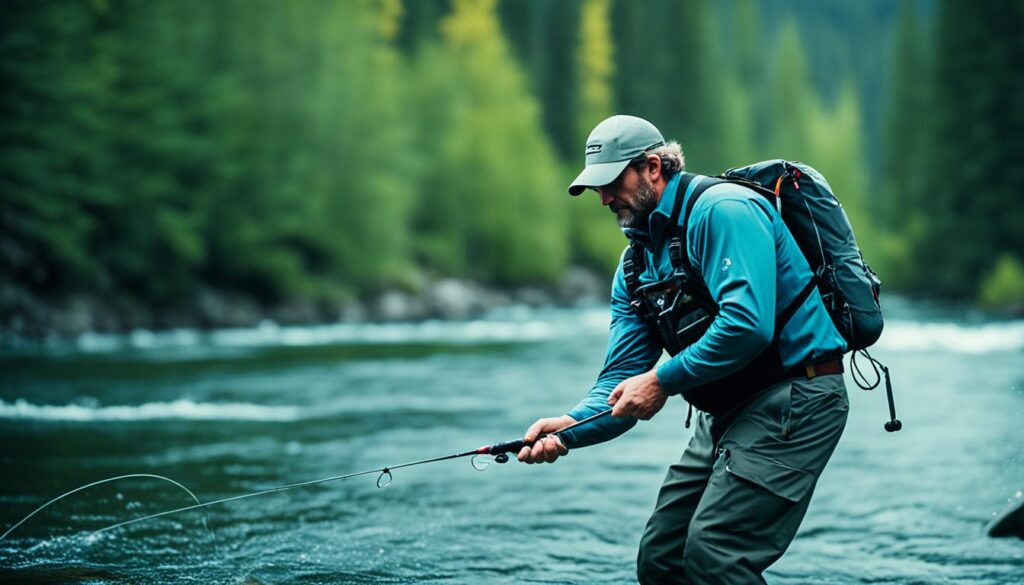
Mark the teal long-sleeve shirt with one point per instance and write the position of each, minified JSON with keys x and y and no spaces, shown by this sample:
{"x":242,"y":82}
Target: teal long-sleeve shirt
{"x":753,"y":269}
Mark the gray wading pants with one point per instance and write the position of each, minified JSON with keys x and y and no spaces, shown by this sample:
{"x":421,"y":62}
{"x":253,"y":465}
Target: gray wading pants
{"x":733,"y":503}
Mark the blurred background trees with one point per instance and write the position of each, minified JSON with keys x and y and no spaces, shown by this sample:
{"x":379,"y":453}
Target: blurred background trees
{"x":323,"y":150}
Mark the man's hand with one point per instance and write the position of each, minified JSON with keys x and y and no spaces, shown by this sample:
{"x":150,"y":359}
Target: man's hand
{"x":548,"y":449}
{"x":639,"y":397}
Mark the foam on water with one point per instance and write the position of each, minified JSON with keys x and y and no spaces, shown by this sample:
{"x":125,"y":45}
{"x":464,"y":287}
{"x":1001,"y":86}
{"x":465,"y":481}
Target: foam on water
{"x":514,"y":324}
{"x":507,"y":325}
{"x":998,"y":337}
{"x":182,"y":409}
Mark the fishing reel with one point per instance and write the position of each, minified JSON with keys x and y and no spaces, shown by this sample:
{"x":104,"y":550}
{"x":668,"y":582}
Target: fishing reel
{"x":498,"y":453}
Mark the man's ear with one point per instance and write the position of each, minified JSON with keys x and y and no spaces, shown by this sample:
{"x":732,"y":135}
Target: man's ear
{"x":654,"y":167}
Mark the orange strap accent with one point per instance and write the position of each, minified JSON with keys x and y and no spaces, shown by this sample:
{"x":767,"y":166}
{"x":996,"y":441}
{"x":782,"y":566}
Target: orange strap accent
{"x":778,"y":185}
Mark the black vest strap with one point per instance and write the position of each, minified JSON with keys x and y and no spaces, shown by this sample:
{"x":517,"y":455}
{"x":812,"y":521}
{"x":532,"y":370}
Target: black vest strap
{"x":720,"y":395}
{"x":684,"y":183}
{"x":633,"y":265}
{"x":634,"y":262}
{"x":681,"y":258}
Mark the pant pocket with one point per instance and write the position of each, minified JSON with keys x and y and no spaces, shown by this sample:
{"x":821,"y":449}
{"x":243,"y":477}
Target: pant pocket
{"x":812,"y":401}
{"x":782,"y":480}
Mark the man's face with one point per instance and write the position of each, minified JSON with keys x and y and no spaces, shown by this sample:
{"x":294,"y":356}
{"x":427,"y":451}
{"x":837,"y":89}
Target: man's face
{"x":631,"y":197}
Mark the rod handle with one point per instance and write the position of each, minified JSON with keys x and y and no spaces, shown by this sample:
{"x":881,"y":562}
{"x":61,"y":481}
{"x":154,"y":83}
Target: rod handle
{"x":506,"y":447}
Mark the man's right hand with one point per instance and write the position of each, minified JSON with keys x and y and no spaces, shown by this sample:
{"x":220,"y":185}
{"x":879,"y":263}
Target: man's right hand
{"x":548,"y":449}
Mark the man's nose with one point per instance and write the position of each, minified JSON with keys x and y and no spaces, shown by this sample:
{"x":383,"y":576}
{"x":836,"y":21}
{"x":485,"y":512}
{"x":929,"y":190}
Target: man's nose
{"x":606,"y":196}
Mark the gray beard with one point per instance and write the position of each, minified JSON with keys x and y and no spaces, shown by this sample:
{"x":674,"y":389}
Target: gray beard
{"x":636,"y":215}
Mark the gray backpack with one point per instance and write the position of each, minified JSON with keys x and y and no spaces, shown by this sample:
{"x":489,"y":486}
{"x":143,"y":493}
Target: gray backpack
{"x":820,"y":227}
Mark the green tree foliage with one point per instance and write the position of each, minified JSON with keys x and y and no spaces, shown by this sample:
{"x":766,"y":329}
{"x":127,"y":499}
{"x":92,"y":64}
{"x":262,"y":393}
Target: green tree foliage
{"x":743,"y":125}
{"x":157,"y":130}
{"x":358,"y":164}
{"x":311,"y":193}
{"x":542,"y":35}
{"x":792,"y":102}
{"x":837,"y":150}
{"x":976,"y":179}
{"x":51,"y":140}
{"x":829,"y":139}
{"x":903,"y":204}
{"x":419,"y":23}
{"x":596,"y":67}
{"x":667,"y":71}
{"x":1004,"y":285}
{"x":319,"y":150}
{"x":596,"y":238}
{"x":490,"y":207}
{"x":238,"y":145}
{"x":844,"y":40}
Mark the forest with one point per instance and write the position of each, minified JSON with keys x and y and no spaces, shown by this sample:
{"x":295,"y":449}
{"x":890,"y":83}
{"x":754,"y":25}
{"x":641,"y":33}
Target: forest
{"x":325,"y":151}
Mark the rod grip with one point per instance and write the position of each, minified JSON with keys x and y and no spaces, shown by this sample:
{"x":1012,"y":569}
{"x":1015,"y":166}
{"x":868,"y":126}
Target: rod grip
{"x":507,"y":447}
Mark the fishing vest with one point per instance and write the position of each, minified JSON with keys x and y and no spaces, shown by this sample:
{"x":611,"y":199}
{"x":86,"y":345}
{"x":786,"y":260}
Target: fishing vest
{"x":680,"y":309}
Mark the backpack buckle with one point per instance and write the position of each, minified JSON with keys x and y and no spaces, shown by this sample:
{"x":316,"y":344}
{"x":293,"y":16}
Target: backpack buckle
{"x":675,"y":252}
{"x":640,"y":308}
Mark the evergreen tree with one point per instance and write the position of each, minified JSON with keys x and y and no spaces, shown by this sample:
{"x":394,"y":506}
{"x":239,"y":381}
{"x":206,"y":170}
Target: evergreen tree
{"x":902,"y":207}
{"x":667,"y":71}
{"x":363,"y":168}
{"x":154,"y":124}
{"x":1004,"y":286}
{"x":597,"y":241}
{"x":836,"y":149}
{"x":829,"y":139}
{"x":594,"y":59}
{"x":542,"y":33}
{"x":745,"y":115}
{"x":743,"y":121}
{"x":419,"y":23}
{"x":258,"y":243}
{"x":694,"y":86}
{"x":792,"y":103}
{"x":54,"y":74}
{"x":491,"y":206}
{"x":974,"y":199}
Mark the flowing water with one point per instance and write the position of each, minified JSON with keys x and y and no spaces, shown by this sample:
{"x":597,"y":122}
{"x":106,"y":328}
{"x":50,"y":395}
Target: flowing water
{"x":231,"y":412}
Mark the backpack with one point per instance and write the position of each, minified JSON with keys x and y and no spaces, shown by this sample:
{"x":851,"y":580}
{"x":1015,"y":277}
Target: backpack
{"x":821,"y":229}
{"x":848,"y":286}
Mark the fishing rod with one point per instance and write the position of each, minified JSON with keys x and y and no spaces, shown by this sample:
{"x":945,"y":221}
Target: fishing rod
{"x":499,"y":451}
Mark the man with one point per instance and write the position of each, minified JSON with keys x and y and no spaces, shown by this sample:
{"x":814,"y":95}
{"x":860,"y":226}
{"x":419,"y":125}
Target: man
{"x":732,"y":504}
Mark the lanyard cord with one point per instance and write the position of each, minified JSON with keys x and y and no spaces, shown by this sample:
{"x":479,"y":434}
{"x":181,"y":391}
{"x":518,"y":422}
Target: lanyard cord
{"x":893,"y":424}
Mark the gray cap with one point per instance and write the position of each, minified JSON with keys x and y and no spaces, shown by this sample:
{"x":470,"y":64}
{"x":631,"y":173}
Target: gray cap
{"x":611,"y":145}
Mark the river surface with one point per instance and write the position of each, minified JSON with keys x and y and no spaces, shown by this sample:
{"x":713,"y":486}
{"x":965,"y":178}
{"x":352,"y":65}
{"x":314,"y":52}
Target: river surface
{"x":230,"y":412}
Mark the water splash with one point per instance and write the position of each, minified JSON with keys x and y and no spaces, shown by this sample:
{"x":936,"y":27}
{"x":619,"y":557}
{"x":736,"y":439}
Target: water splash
{"x":182,"y":409}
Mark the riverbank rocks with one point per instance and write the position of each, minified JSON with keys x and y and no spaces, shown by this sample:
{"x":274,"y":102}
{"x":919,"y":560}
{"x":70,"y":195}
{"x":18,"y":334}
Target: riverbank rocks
{"x":29,"y":316}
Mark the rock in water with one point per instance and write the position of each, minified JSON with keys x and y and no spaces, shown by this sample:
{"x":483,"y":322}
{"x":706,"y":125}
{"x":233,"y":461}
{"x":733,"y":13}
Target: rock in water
{"x":1009,"y":522}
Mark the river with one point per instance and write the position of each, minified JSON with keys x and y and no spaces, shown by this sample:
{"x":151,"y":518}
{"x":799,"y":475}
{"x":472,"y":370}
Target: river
{"x":230,"y":412}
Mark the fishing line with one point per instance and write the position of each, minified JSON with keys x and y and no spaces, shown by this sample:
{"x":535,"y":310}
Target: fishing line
{"x":499,"y":452}
{"x":110,"y":480}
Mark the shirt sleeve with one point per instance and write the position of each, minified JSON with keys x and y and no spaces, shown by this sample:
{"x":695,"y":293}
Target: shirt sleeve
{"x":633,"y":348}
{"x":732,"y":243}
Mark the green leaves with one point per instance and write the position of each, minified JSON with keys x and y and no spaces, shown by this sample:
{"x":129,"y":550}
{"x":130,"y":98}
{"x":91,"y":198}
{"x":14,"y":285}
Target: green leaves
{"x":316,"y":150}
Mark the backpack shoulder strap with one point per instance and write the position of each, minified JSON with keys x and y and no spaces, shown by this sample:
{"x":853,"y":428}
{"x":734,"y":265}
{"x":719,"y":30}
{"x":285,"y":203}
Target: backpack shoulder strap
{"x":677,"y":248}
{"x":633,"y":265}
{"x":787,"y":313}
{"x":634,"y":261}
{"x":771,"y":196}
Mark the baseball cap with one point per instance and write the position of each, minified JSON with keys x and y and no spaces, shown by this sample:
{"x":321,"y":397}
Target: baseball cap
{"x":611,"y":145}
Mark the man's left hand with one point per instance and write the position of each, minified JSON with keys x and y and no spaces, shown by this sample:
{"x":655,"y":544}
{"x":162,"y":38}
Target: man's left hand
{"x":639,"y":397}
